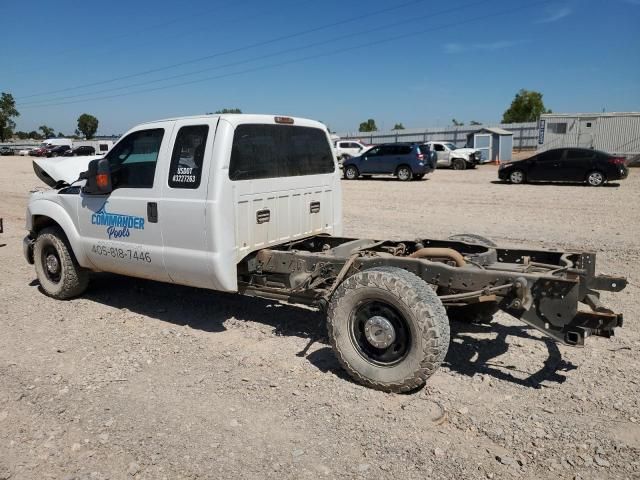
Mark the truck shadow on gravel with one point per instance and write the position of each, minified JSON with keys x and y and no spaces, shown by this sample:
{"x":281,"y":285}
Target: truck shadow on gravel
{"x":208,"y":311}
{"x":470,"y":355}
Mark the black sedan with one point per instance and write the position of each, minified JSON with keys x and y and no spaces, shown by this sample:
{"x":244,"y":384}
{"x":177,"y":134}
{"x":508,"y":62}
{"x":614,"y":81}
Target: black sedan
{"x":80,"y":151}
{"x":6,"y":151}
{"x":57,"y":150}
{"x":584,"y":165}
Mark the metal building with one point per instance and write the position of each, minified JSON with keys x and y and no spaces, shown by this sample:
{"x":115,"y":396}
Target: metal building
{"x":495,"y":144}
{"x":616,"y":132}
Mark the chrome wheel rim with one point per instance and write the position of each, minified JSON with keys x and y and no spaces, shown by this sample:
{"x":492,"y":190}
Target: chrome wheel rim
{"x":516,"y":177}
{"x":595,"y":179}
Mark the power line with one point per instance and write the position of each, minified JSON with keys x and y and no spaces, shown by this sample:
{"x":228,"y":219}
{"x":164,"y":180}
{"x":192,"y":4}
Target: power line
{"x":261,"y":57}
{"x":228,"y":52}
{"x":302,"y":59}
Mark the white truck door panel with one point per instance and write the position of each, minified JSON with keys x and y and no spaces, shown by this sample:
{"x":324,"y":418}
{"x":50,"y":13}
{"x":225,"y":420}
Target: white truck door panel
{"x":117,"y":233}
{"x":184,"y":202}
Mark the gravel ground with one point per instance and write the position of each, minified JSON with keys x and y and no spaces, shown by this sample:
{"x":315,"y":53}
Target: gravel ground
{"x":144,"y":380}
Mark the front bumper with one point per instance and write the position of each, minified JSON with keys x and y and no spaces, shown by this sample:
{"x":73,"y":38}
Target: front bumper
{"x":27,"y":249}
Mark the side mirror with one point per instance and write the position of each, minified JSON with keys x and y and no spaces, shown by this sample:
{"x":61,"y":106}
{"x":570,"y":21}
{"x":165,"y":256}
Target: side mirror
{"x":98,"y":178}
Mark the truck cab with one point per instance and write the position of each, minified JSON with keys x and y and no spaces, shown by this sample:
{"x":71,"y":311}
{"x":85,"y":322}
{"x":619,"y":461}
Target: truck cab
{"x":450,"y":156}
{"x":190,"y":197}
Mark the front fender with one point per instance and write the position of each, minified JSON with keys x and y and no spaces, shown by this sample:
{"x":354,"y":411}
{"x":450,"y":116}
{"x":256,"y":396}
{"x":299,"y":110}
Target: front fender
{"x":50,"y":209}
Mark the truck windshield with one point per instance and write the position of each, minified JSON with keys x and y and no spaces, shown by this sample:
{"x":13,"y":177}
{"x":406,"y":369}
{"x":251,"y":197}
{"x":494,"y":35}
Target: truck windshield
{"x":450,"y":146}
{"x":271,"y":151}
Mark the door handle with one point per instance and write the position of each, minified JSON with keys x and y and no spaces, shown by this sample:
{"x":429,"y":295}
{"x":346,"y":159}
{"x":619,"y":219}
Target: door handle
{"x":263,"y":216}
{"x":152,"y":212}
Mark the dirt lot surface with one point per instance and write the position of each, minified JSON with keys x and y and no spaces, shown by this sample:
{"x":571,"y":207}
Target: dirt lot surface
{"x":145,"y":380}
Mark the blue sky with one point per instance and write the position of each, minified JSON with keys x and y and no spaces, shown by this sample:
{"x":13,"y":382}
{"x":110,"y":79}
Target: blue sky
{"x":420,"y":62}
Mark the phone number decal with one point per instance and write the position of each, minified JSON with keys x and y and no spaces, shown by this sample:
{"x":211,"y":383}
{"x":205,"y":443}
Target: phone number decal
{"x":122,"y":253}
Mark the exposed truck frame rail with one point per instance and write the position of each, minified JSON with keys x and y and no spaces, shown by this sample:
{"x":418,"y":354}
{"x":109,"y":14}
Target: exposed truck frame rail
{"x":542,"y":288}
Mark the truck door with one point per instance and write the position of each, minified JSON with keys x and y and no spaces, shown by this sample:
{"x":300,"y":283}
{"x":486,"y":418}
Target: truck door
{"x":183,"y":204}
{"x":442,"y":153}
{"x":121,"y":232}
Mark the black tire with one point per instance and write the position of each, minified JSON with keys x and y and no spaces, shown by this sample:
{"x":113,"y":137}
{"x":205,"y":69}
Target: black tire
{"x":417,"y":176}
{"x":595,"y":178}
{"x":517,"y":177}
{"x":58,"y":271}
{"x":481,"y":313}
{"x":420,"y":329}
{"x":458,"y":164}
{"x":404,"y":173}
{"x":351,"y":173}
{"x":472,"y":238}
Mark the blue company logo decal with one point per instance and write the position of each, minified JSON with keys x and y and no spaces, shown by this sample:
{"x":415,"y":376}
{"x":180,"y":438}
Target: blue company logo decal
{"x":117,"y":224}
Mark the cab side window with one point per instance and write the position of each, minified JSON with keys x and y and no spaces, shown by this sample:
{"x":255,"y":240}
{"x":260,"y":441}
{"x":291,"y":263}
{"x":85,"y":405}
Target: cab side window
{"x":133,"y":160}
{"x":188,"y":154}
{"x":438,"y":148}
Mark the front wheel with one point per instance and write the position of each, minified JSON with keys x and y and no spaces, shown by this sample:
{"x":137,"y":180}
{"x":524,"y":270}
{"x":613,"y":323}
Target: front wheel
{"x":516,"y":177}
{"x":595,"y":178}
{"x":404,"y":173}
{"x":58,"y":271}
{"x":351,"y":172}
{"x":388,"y":329}
{"x":458,"y":164}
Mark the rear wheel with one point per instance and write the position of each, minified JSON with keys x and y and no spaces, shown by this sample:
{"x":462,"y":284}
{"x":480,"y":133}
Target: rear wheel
{"x":351,"y":172}
{"x":388,"y":329}
{"x":595,"y":178}
{"x":516,"y":177}
{"x":458,"y":164}
{"x":58,"y":271}
{"x":404,"y":173}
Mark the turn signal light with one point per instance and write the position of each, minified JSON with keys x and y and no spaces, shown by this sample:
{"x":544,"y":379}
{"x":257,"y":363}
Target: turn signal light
{"x":102,"y":180}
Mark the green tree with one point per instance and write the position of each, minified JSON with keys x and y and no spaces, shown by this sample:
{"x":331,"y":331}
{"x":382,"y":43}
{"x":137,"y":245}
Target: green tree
{"x":7,"y":113}
{"x":368,"y":126}
{"x":229,"y":110}
{"x":456,"y":123}
{"x":88,"y":125}
{"x":398,"y":126}
{"x":47,"y":132}
{"x":475,"y":122}
{"x":527,"y":106}
{"x":60,"y":135}
{"x":35,"y":135}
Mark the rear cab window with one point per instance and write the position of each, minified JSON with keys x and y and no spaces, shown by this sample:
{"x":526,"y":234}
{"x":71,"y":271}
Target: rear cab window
{"x":262,"y":151}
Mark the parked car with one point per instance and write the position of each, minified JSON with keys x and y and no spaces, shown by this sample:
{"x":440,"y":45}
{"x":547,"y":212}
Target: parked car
{"x":453,"y":157}
{"x":566,"y":165}
{"x":404,"y":160}
{"x":25,"y":151}
{"x":81,"y":151}
{"x":430,"y":155}
{"x":39,"y":152}
{"x":349,"y":148}
{"x":57,"y":150}
{"x":6,"y":151}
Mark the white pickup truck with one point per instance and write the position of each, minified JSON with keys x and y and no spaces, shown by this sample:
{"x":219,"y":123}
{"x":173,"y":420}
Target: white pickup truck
{"x":252,"y":204}
{"x":345,"y":149}
{"x":453,"y":157}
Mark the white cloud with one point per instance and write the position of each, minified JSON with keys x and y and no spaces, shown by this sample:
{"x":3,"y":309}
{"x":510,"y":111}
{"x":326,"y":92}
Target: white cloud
{"x":556,"y":14}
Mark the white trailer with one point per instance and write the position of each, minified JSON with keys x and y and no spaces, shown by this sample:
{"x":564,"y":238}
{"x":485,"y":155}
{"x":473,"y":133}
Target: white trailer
{"x":617,"y":133}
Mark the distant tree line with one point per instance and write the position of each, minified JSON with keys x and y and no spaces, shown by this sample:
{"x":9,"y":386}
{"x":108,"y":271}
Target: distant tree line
{"x":87,"y":124}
